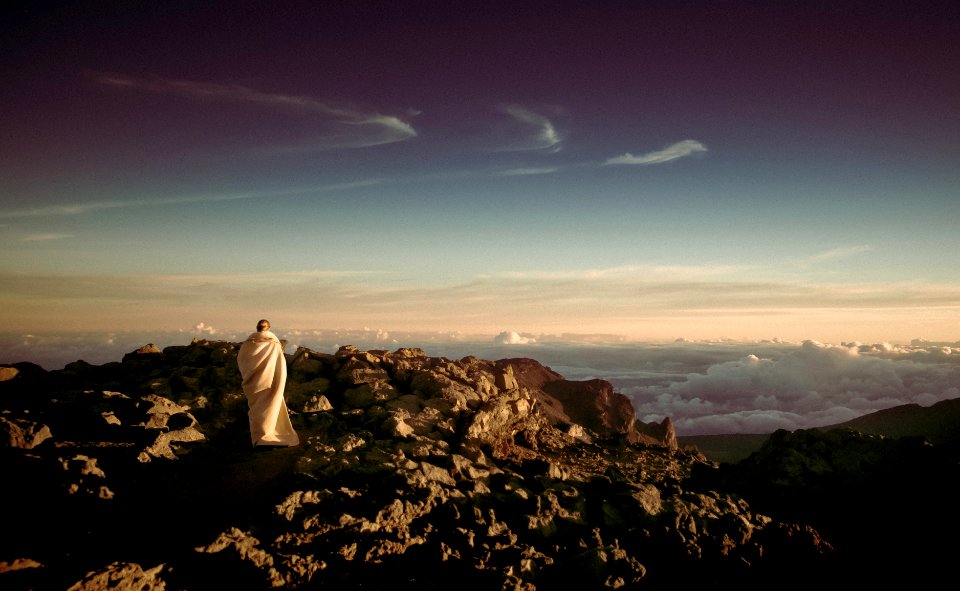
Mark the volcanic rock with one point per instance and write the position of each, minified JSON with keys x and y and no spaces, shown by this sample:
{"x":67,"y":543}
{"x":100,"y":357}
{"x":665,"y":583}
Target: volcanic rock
{"x":414,"y":472}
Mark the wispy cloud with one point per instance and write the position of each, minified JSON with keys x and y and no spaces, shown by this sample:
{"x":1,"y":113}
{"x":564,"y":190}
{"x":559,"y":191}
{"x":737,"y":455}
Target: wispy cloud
{"x":45,"y":237}
{"x":66,"y":209}
{"x":671,"y":152}
{"x":529,"y":171}
{"x":350,"y":127}
{"x":635,"y":273}
{"x":73,"y":209}
{"x":541,"y":134}
{"x":834,"y":254}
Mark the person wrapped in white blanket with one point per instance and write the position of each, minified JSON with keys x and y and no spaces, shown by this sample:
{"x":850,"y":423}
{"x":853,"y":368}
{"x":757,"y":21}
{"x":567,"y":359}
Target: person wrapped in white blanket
{"x":264,"y":371}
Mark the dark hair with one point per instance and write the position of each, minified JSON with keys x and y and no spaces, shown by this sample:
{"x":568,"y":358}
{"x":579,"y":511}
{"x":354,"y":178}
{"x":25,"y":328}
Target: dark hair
{"x":263,"y":325}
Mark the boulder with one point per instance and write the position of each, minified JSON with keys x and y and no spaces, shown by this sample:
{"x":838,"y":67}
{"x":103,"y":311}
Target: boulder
{"x":123,"y":576}
{"x":22,"y":433}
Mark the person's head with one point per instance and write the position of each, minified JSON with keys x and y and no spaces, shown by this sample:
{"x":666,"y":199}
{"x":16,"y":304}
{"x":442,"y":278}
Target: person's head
{"x":263,"y":325}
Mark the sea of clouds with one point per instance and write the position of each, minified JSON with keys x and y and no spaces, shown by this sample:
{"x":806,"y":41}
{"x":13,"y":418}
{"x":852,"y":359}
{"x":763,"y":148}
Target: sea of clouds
{"x":807,"y":385}
{"x":705,"y":387}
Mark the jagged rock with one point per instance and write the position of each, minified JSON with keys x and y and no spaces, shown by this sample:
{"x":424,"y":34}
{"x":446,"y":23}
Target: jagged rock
{"x":317,"y":403}
{"x":595,"y":405}
{"x":500,"y":419}
{"x":18,"y":564}
{"x":8,"y":372}
{"x":298,"y":394}
{"x":577,"y":432}
{"x":84,"y":466}
{"x":85,"y":477}
{"x":22,"y":433}
{"x":110,"y":418}
{"x":123,"y":576}
{"x":148,"y":353}
{"x":370,"y":393}
{"x":608,"y":567}
{"x":303,"y":364}
{"x":163,"y":446}
{"x":657,"y":433}
{"x":241,"y":543}
{"x":357,"y":369}
{"x":396,"y":426}
{"x":153,"y":404}
{"x":506,"y":380}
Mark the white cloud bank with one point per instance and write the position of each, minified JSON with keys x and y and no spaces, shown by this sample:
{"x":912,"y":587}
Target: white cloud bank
{"x":809,"y":386}
{"x":671,"y":152}
{"x":513,"y":338}
{"x":204,"y":328}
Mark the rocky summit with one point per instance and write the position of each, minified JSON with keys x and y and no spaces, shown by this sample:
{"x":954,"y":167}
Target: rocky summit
{"x":414,"y":472}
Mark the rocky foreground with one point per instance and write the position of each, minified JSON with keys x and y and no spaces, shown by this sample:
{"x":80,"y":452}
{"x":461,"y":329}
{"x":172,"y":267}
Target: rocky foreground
{"x":418,"y":472}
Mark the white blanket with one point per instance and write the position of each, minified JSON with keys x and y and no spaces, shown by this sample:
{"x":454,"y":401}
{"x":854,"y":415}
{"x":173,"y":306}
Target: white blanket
{"x":264,"y":372}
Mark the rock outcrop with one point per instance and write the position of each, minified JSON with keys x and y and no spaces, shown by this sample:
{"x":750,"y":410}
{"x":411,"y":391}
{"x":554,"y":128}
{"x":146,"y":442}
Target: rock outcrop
{"x":414,"y":472}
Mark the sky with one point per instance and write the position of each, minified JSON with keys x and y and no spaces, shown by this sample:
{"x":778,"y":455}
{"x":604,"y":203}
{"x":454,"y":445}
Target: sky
{"x":644,"y":171}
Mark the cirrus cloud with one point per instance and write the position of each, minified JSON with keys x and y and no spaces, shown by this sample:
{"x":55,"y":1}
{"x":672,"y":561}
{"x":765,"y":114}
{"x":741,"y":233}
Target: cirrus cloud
{"x":347,"y":127}
{"x":671,"y":152}
{"x":541,"y":133}
{"x":45,"y":237}
{"x":72,"y":209}
{"x":530,"y":171}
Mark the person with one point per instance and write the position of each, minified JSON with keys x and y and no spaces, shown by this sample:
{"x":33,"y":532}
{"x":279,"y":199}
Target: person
{"x":264,"y":371}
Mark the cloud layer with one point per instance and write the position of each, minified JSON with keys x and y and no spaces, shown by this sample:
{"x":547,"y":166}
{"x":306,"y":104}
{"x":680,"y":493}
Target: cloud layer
{"x":649,"y":302}
{"x":810,"y":385}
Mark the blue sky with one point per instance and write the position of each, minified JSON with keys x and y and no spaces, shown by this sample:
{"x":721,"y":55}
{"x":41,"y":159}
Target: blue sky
{"x":652,"y":170}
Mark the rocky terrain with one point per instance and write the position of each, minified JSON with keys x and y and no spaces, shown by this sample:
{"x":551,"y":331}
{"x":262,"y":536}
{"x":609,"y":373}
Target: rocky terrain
{"x":417,"y":472}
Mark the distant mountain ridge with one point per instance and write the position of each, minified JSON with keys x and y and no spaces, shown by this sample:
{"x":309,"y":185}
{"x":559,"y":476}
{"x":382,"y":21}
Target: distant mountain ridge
{"x":939,"y":423}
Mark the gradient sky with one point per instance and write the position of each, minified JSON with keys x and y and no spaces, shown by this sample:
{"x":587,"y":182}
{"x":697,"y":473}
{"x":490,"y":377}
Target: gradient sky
{"x":647,"y":169}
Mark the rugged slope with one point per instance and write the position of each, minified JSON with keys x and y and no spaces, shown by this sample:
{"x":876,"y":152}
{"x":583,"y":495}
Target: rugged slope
{"x":415,"y":472}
